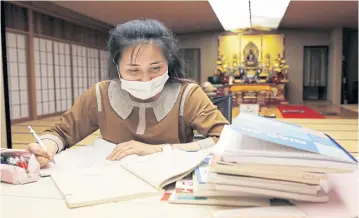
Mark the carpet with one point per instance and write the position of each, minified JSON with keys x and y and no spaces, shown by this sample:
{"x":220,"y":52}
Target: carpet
{"x":299,"y":111}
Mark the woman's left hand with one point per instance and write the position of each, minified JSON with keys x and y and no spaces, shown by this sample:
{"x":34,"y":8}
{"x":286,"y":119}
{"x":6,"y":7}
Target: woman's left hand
{"x":132,"y":147}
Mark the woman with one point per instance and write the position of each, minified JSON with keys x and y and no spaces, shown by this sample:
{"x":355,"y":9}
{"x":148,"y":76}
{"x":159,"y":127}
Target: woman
{"x":146,"y":106}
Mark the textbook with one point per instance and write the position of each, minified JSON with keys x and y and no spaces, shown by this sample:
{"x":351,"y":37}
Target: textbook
{"x":183,"y":194}
{"x":210,"y":190}
{"x":274,"y":188}
{"x":343,"y":203}
{"x":132,"y":177}
{"x":203,"y":189}
{"x":261,"y":156}
{"x":261,"y":141}
{"x":205,"y":180}
{"x":320,"y":197}
{"x":292,"y":175}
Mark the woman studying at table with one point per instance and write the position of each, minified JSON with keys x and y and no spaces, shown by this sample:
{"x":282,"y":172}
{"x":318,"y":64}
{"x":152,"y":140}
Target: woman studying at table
{"x":146,"y":105}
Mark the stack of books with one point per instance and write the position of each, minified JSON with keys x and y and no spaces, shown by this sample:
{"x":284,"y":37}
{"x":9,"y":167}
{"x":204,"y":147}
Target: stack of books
{"x":259,"y":159}
{"x":190,"y":191}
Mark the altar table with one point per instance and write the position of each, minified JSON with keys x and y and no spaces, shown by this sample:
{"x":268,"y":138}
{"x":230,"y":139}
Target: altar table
{"x":256,"y":93}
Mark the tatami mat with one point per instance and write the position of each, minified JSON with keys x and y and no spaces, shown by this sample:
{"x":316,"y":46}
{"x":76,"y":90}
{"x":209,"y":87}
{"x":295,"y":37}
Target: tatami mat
{"x":344,"y":131}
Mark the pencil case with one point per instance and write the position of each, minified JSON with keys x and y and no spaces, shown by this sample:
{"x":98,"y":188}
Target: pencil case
{"x":18,"y":167}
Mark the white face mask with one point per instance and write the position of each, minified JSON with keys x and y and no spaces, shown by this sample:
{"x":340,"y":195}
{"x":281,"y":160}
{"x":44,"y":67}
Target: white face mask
{"x":145,"y":90}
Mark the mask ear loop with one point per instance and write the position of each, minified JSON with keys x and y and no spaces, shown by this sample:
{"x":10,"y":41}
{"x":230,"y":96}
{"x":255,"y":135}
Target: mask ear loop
{"x":117,"y":68}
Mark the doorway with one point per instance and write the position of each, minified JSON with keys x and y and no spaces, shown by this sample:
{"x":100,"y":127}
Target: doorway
{"x":192,"y":59}
{"x":350,"y":67}
{"x":315,"y":72}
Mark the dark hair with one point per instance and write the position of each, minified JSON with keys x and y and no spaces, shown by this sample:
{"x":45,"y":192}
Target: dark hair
{"x":136,"y":32}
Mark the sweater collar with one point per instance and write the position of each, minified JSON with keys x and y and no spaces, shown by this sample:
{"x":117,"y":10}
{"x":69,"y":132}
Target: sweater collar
{"x":123,"y":105}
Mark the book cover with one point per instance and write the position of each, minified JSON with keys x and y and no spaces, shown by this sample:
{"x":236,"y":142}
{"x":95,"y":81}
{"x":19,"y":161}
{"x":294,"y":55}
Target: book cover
{"x":202,"y":170}
{"x":183,"y":194}
{"x":290,"y":135}
{"x":184,"y":187}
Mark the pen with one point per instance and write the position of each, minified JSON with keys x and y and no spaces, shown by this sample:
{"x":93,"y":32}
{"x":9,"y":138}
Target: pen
{"x":33,"y":133}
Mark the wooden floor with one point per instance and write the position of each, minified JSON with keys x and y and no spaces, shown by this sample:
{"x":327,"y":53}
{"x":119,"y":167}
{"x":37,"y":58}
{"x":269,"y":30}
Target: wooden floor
{"x":342,"y":129}
{"x":351,"y":107}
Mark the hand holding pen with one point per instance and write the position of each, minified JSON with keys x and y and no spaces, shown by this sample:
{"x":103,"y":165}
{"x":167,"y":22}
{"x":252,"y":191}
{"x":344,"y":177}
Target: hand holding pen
{"x":40,"y":150}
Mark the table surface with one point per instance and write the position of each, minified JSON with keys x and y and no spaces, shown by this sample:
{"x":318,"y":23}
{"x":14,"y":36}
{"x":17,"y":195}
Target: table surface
{"x":42,"y":199}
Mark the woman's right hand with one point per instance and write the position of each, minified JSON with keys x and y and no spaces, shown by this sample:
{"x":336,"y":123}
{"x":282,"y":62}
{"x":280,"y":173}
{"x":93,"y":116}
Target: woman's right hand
{"x":42,"y":156}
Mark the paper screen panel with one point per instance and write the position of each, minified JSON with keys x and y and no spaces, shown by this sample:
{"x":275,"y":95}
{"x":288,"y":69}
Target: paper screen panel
{"x":79,"y":66}
{"x":17,"y":75}
{"x":44,"y":75}
{"x":63,"y":78}
{"x":93,"y":66}
{"x":104,"y":68}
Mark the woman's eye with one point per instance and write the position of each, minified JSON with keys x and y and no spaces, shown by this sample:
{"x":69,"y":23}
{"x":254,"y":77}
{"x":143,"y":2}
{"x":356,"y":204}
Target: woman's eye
{"x":133,"y":71}
{"x":157,"y":68}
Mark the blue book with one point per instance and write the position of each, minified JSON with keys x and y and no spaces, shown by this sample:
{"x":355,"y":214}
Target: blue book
{"x":290,"y":136}
{"x":202,"y":170}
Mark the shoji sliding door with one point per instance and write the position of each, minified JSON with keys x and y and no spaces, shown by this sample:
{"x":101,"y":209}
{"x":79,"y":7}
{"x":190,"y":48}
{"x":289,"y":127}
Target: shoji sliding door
{"x":17,"y":75}
{"x":93,"y":66}
{"x":104,"y":60}
{"x":63,"y":78}
{"x":79,"y":69}
{"x":44,"y":74}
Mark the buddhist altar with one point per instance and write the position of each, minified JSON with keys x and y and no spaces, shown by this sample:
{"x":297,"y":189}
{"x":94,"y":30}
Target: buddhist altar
{"x":252,"y":68}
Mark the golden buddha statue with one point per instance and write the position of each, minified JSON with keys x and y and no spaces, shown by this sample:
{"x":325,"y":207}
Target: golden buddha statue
{"x":251,"y":60}
{"x":251,"y":66}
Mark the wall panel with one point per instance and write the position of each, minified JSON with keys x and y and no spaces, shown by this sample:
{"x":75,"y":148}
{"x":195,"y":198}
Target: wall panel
{"x":44,"y":74}
{"x":79,"y":69}
{"x":93,"y":66}
{"x":17,"y":75}
{"x":104,"y":60}
{"x":63,"y":79}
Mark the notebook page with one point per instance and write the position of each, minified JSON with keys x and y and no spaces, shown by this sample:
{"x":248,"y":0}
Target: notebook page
{"x":84,"y":187}
{"x":162,"y":168}
{"x":89,"y":156}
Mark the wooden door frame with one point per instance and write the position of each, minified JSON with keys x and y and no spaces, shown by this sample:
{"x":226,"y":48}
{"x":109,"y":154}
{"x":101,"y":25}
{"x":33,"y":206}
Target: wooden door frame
{"x":5,"y":79}
{"x":199,"y":52}
{"x":328,"y":51}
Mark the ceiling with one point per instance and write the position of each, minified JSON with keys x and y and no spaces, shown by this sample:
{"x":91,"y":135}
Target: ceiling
{"x":184,"y":17}
{"x":321,"y":14}
{"x":179,"y":16}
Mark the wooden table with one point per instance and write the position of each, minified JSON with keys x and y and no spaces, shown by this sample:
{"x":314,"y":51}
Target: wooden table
{"x":42,"y":199}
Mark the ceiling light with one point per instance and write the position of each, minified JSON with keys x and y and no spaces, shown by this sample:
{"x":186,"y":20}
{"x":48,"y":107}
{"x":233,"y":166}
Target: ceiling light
{"x":235,"y":14}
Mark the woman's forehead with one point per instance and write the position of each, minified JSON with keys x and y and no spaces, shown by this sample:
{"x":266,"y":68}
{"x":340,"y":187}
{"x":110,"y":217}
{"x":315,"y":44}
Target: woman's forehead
{"x":142,"y":54}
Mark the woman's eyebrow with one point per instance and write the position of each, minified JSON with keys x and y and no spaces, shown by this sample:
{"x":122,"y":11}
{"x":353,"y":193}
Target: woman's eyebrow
{"x":155,"y":62}
{"x":131,"y":64}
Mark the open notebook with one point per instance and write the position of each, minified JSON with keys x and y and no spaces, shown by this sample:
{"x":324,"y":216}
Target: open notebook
{"x":91,"y":186}
{"x":132,"y":177}
{"x":89,"y":156}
